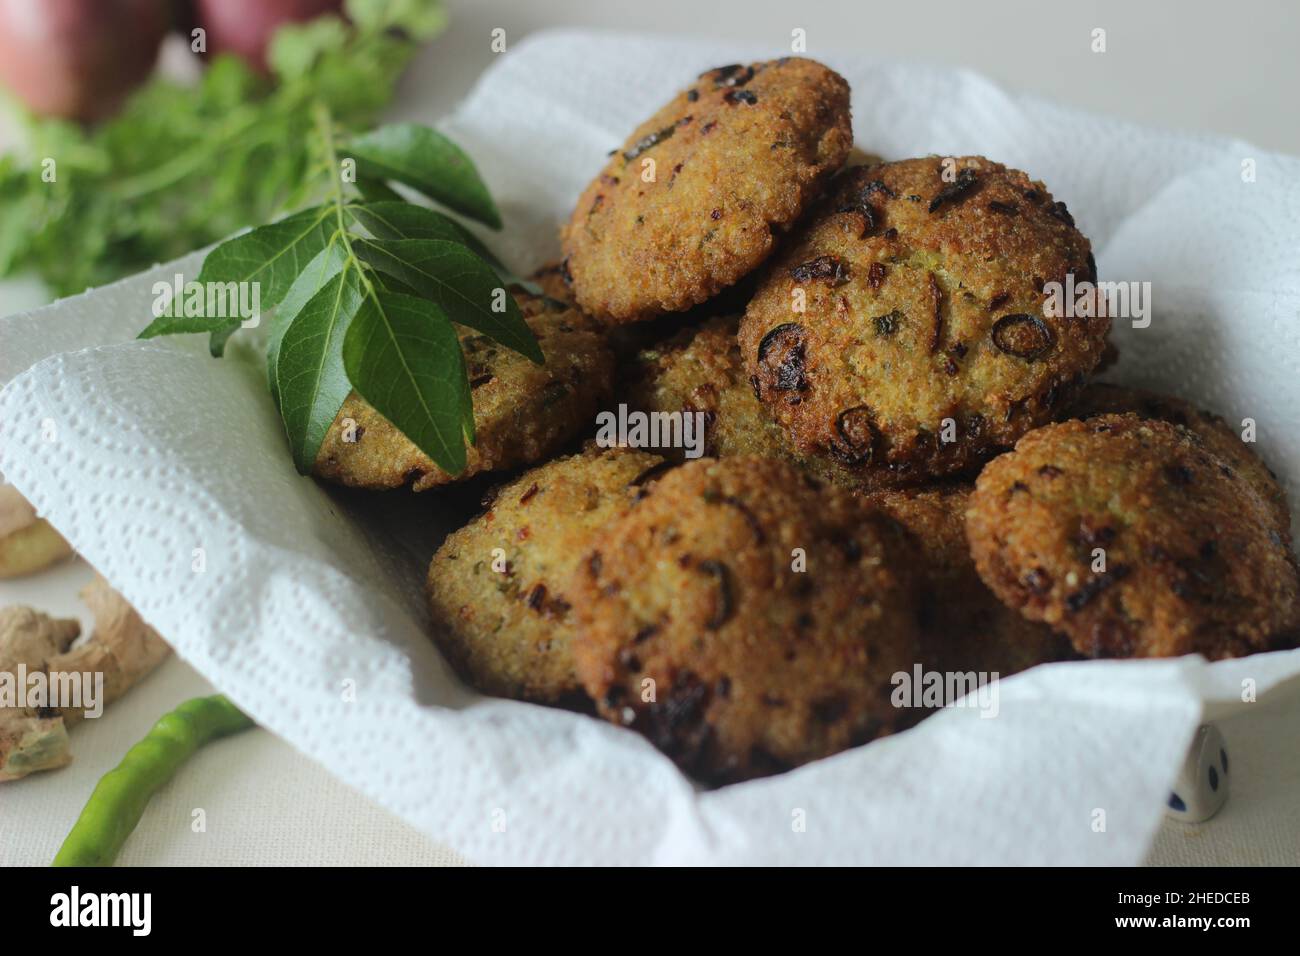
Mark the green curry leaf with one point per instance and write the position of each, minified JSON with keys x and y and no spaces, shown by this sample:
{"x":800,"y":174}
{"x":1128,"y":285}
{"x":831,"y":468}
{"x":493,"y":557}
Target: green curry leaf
{"x":402,"y":355}
{"x":427,"y":161}
{"x":460,"y":282}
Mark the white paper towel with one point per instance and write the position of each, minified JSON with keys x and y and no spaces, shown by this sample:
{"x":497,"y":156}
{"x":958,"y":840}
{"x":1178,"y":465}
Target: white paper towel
{"x":155,"y":459}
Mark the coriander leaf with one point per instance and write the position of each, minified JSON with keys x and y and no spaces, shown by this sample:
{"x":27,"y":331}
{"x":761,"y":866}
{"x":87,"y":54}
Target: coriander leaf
{"x":426,"y":160}
{"x":309,"y":365}
{"x":405,"y":220}
{"x":420,"y":19}
{"x":22,"y":209}
{"x":296,"y":47}
{"x":459,"y":282}
{"x":402,"y":355}
{"x":328,"y":263}
{"x":271,"y":256}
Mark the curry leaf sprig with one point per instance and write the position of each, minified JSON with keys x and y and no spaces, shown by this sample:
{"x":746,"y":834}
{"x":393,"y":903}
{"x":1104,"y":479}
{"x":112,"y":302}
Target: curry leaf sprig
{"x":366,"y":288}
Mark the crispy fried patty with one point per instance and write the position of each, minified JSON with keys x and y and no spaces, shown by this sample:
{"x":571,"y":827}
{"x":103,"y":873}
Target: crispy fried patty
{"x":550,"y":278}
{"x":1105,"y":399}
{"x":902,"y":335}
{"x":747,"y":619}
{"x":964,"y":626}
{"x":695,"y":197}
{"x":523,"y":412}
{"x":699,"y":370}
{"x":1135,"y":539}
{"x":499,"y":586}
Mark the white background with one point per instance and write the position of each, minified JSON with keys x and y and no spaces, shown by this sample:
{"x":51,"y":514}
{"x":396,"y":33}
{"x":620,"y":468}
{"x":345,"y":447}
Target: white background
{"x":1226,"y":69}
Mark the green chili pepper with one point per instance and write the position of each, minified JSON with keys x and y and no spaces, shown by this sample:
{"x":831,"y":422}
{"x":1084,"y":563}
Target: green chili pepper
{"x":121,"y":795}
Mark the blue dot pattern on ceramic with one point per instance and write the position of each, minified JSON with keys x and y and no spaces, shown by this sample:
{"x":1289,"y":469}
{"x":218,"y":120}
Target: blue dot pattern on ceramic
{"x":1214,"y":779}
{"x":1223,"y":759}
{"x":1176,"y":802}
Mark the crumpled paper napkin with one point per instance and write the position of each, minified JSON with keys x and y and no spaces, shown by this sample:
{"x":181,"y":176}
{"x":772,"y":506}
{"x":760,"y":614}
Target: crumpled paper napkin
{"x":169,"y":472}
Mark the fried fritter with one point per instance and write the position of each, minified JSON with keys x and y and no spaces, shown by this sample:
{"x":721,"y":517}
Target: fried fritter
{"x":1105,"y":399}
{"x":523,"y":412}
{"x":902,"y":335}
{"x":699,"y":370}
{"x":747,"y":619}
{"x":697,"y":195}
{"x":964,"y":626}
{"x":498,"y":587}
{"x":550,"y":278}
{"x":1135,"y":539}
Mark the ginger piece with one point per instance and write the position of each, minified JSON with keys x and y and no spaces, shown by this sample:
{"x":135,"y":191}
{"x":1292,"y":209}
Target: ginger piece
{"x":27,"y":543}
{"x":30,"y":739}
{"x":30,"y":743}
{"x":30,"y":637}
{"x":122,"y":649}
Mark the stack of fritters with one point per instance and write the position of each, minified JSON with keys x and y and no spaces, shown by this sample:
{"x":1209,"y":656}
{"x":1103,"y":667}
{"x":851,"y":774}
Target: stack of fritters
{"x":905,"y":461}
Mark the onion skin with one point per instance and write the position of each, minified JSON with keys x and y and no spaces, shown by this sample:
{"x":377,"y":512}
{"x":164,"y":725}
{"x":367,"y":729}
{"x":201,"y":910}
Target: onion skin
{"x":245,"y":27}
{"x":78,"y":59}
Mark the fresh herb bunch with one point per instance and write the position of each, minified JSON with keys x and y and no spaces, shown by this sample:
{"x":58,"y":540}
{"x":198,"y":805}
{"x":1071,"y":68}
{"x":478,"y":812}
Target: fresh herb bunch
{"x":365,"y":287}
{"x":182,"y":166}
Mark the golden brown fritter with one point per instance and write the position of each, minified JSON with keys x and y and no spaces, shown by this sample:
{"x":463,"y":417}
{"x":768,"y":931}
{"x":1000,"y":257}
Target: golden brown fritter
{"x":698,"y":628}
{"x":699,"y":370}
{"x":550,"y":278}
{"x":695,"y":198}
{"x":902,"y":334}
{"x":626,"y":340}
{"x":502,"y":616}
{"x":1192,"y":560}
{"x":523,"y":412}
{"x":964,"y":626}
{"x":1105,"y":399}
